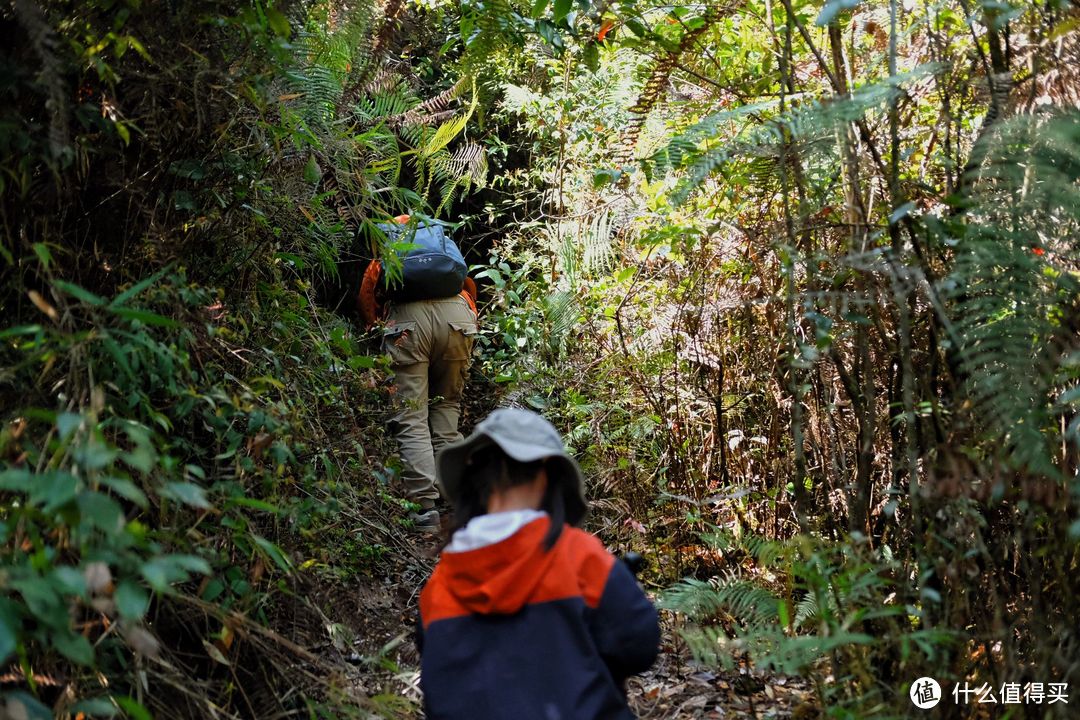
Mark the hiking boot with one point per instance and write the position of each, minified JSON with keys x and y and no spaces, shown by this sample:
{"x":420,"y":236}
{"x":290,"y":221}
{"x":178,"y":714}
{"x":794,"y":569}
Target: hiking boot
{"x":426,"y":521}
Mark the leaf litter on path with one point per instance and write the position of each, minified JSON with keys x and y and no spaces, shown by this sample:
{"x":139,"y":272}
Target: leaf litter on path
{"x":678,"y":687}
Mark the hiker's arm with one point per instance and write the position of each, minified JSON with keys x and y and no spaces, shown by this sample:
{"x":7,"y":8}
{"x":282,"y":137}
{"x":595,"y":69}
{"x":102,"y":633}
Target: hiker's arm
{"x":626,"y":628}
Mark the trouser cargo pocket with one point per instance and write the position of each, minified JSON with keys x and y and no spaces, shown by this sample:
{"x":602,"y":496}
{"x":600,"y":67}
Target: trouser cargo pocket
{"x":460,"y":342}
{"x":401,"y":343}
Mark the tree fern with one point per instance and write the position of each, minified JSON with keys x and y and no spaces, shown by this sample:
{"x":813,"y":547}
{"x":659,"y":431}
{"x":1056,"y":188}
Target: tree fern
{"x":1014,"y":285}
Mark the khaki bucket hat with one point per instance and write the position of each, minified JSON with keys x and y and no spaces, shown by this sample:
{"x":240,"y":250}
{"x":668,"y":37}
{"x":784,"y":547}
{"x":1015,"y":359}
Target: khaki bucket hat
{"x":525,"y":436}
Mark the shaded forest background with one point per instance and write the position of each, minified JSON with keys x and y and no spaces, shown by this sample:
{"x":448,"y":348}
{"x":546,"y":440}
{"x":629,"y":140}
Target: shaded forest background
{"x":800,"y":282}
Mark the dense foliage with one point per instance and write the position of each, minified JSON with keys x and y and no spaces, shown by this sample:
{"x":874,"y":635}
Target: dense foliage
{"x":804,"y":287}
{"x":799,"y":281}
{"x":187,"y":188}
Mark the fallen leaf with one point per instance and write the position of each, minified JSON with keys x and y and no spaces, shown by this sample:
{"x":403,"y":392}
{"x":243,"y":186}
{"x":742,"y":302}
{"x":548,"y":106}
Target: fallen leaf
{"x":214,"y":653}
{"x":43,"y":305}
{"x":103,"y":605}
{"x":142,"y":641}
{"x":258,"y":444}
{"x":257,"y":571}
{"x":227,"y":636}
{"x":98,"y":578}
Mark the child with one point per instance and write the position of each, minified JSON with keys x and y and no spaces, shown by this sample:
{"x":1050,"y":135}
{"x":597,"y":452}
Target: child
{"x":526,"y":616}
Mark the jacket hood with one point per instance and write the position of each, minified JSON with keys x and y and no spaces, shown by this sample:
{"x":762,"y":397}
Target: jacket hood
{"x":499,"y":578}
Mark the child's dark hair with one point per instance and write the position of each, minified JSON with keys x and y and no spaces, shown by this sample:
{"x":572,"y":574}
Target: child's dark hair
{"x":489,"y":469}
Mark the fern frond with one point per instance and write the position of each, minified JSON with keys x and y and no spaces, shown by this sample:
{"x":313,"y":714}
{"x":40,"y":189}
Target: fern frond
{"x":766,"y":552}
{"x":700,"y":152}
{"x":1013,"y":282}
{"x":768,"y":645}
{"x":657,"y":83}
{"x":31,"y":16}
{"x":459,"y":172}
{"x":495,"y":21}
{"x":386,"y":96}
{"x":806,"y":610}
{"x":597,"y":252}
{"x":431,"y":110}
{"x":446,"y":132}
{"x":517,"y":98}
{"x":468,"y":162}
{"x":742,"y":601}
{"x":371,"y":49}
{"x":562,"y":311}
{"x":319,"y":88}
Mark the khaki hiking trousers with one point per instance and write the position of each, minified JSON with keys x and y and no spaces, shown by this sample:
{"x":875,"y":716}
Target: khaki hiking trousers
{"x":430,"y":346}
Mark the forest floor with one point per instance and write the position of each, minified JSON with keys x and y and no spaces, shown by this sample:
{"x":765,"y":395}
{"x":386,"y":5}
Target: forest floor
{"x":383,"y":663}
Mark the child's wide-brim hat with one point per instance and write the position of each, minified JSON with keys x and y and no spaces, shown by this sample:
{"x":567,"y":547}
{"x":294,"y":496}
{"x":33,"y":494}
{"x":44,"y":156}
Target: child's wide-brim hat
{"x":526,"y":437}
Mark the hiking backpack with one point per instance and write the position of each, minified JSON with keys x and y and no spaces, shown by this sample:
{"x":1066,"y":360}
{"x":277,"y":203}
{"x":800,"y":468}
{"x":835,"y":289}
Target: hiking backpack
{"x":433,"y":268}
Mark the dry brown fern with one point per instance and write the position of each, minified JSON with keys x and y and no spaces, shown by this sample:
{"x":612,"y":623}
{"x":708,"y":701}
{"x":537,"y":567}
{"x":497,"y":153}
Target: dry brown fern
{"x":654,"y":87}
{"x":373,"y":71}
{"x":431,"y":110}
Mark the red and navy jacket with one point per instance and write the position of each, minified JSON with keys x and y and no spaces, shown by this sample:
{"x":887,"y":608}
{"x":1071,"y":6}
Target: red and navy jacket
{"x":512,"y":631}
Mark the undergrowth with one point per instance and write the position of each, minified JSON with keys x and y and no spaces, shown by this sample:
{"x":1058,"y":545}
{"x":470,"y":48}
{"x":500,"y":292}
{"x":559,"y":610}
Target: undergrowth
{"x":174,"y":404}
{"x":192,"y":458}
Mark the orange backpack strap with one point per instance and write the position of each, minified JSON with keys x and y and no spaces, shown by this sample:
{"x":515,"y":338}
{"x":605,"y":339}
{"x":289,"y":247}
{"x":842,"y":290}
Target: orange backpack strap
{"x":468,"y":291}
{"x":371,"y":310}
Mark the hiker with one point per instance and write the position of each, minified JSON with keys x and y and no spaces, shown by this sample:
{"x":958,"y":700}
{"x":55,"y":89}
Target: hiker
{"x":526,"y":616}
{"x":429,"y":322}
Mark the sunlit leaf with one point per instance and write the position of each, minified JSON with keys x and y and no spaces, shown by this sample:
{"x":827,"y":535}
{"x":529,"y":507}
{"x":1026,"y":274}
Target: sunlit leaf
{"x":278,"y":22}
{"x":132,"y":708}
